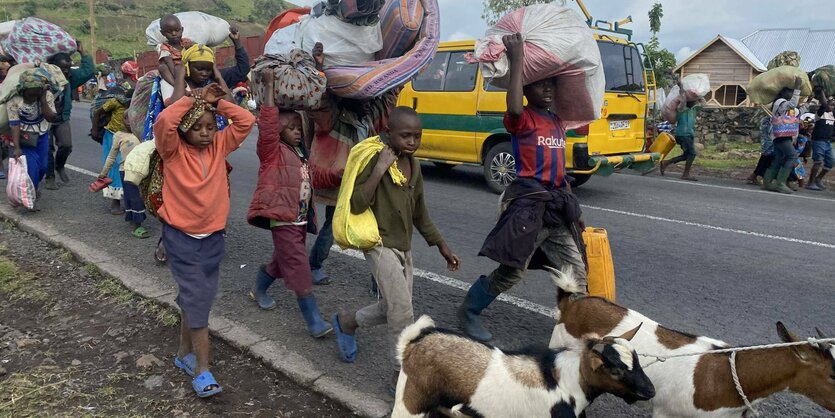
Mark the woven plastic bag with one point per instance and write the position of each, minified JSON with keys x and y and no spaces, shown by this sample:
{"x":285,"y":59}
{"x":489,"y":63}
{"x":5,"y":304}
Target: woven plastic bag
{"x":784,"y":58}
{"x":558,"y":43}
{"x":298,"y":84}
{"x":32,"y":39}
{"x":19,"y":187}
{"x":200,"y":27}
{"x":696,"y":86}
{"x":765,"y":87}
{"x":824,"y":77}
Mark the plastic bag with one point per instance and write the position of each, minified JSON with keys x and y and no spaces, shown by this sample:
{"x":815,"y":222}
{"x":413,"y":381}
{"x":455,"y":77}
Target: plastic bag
{"x":765,"y":87}
{"x":558,"y":43}
{"x":824,"y":77}
{"x":696,"y":86}
{"x":19,"y":188}
{"x":670,"y":110}
{"x":32,"y":39}
{"x":359,"y":231}
{"x":298,"y":84}
{"x":345,"y":44}
{"x":200,"y":27}
{"x":784,"y":58}
{"x":282,"y":41}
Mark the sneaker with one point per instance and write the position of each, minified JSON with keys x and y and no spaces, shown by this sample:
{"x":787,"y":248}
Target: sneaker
{"x":814,"y":187}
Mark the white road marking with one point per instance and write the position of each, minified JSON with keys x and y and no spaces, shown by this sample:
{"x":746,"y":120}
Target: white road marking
{"x":81,"y":170}
{"x":738,"y":189}
{"x":715,"y":228}
{"x":526,"y":304}
{"x":458,"y":284}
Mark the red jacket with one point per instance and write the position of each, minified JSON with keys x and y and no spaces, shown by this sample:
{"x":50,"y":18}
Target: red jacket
{"x":278,"y":193}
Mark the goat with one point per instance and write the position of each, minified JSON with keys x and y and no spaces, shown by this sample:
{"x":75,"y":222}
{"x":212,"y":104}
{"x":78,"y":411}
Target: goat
{"x":441,"y":368}
{"x":698,"y":385}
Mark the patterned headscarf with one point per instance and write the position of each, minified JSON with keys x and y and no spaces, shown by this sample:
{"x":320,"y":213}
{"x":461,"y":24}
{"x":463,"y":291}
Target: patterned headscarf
{"x":193,"y":115}
{"x":32,"y":79}
{"x":197,"y":53}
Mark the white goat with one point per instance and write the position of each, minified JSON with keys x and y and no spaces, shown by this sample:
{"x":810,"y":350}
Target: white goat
{"x":699,"y":385}
{"x":444,"y":369}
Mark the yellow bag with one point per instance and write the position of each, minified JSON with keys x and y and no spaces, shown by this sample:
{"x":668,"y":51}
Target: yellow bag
{"x":601,"y":275}
{"x":359,"y":232}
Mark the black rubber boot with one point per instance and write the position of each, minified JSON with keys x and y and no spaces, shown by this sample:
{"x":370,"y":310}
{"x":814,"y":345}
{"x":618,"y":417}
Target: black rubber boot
{"x":478,"y":298}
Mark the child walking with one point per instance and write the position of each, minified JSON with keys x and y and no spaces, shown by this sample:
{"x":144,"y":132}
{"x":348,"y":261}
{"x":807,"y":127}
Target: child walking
{"x":397,"y":206}
{"x":115,"y":108}
{"x":196,"y":195}
{"x":685,"y":134}
{"x":282,"y":204}
{"x":123,"y":143}
{"x":30,"y":112}
{"x":540,"y":216}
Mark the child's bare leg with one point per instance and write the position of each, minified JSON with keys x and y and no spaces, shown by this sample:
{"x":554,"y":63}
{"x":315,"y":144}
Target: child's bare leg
{"x":348,"y":323}
{"x":200,"y":344}
{"x":185,"y":337}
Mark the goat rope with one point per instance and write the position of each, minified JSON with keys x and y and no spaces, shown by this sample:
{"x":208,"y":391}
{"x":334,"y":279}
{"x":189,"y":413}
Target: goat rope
{"x":818,"y":342}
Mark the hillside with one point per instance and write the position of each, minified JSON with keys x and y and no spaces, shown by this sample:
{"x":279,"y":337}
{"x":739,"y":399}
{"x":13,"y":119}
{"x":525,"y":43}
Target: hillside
{"x":120,"y":24}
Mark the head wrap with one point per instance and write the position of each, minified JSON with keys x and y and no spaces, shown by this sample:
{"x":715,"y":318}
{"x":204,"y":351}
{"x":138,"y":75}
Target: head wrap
{"x":197,"y":53}
{"x":32,"y":79}
{"x":193,"y":115}
{"x":131,"y":69}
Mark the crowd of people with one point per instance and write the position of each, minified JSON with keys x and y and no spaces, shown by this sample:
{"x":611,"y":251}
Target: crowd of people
{"x":305,"y":157}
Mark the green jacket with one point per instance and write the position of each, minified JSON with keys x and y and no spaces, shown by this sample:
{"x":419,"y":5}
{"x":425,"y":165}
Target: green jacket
{"x":78,"y":76}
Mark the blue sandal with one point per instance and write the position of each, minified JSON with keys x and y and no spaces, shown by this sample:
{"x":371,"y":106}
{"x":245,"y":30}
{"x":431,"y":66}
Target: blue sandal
{"x":203,"y":382}
{"x":347,"y":343}
{"x":188,"y":363}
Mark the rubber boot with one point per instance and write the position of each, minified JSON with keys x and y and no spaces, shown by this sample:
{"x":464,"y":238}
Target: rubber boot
{"x":316,"y":326}
{"x":782,"y":178}
{"x":813,"y":179}
{"x":819,"y":179}
{"x":478,"y":298}
{"x":259,"y":292}
{"x":768,"y":180}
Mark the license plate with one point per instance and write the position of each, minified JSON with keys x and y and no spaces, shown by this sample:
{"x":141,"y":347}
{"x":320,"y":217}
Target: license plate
{"x":618,"y":125}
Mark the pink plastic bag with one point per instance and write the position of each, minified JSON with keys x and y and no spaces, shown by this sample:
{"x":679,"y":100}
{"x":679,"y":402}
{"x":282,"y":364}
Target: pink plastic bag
{"x":20,"y":189}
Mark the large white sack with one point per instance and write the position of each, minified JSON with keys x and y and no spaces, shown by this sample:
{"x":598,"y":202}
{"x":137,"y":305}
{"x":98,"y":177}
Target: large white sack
{"x":558,"y":43}
{"x":344,"y":43}
{"x":200,"y":27}
{"x":282,"y":41}
{"x":696,"y":86}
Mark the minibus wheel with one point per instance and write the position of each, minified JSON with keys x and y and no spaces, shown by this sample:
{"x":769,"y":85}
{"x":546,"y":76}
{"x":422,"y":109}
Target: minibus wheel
{"x":499,"y":167}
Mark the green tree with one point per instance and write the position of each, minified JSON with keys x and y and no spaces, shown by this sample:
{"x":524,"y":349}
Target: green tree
{"x":264,"y":10}
{"x":661,"y":60}
{"x":29,"y":9}
{"x":223,"y":9}
{"x":495,"y":9}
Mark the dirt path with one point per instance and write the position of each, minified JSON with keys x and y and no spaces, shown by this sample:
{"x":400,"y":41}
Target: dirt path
{"x":74,"y":343}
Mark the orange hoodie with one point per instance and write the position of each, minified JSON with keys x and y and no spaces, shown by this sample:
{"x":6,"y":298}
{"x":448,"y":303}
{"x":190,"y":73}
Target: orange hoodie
{"x":195,"y":190}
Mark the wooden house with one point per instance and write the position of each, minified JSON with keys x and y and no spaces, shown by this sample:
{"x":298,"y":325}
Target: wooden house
{"x":730,"y":65}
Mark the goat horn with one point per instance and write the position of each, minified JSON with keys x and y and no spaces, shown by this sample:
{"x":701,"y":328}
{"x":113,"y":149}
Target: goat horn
{"x":820,"y":333}
{"x":598,"y":348}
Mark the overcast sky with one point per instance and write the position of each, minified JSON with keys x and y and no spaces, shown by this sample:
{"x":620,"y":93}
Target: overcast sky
{"x":687,"y":25}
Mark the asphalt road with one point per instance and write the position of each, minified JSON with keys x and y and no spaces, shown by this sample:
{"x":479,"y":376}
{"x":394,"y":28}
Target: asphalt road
{"x":715,"y":258}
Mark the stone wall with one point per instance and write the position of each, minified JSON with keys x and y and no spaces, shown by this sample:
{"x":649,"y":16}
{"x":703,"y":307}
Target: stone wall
{"x":724,"y":125}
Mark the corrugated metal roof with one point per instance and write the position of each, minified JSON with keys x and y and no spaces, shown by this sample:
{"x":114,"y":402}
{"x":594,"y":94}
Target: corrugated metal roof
{"x":744,"y":52}
{"x":816,"y":47}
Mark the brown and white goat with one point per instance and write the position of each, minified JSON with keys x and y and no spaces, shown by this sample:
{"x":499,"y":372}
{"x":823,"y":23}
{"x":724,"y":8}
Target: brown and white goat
{"x":698,"y":385}
{"x":443,"y":369}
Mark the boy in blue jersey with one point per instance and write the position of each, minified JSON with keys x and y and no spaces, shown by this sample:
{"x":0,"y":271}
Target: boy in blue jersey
{"x":541,"y":221}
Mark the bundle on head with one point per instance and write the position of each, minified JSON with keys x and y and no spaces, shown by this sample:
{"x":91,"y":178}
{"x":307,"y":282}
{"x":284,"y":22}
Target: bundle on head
{"x":700,"y":385}
{"x":442,"y":369}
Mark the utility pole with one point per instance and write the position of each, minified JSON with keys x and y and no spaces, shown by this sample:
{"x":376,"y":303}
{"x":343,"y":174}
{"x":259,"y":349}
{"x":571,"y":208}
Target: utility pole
{"x":91,"y":5}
